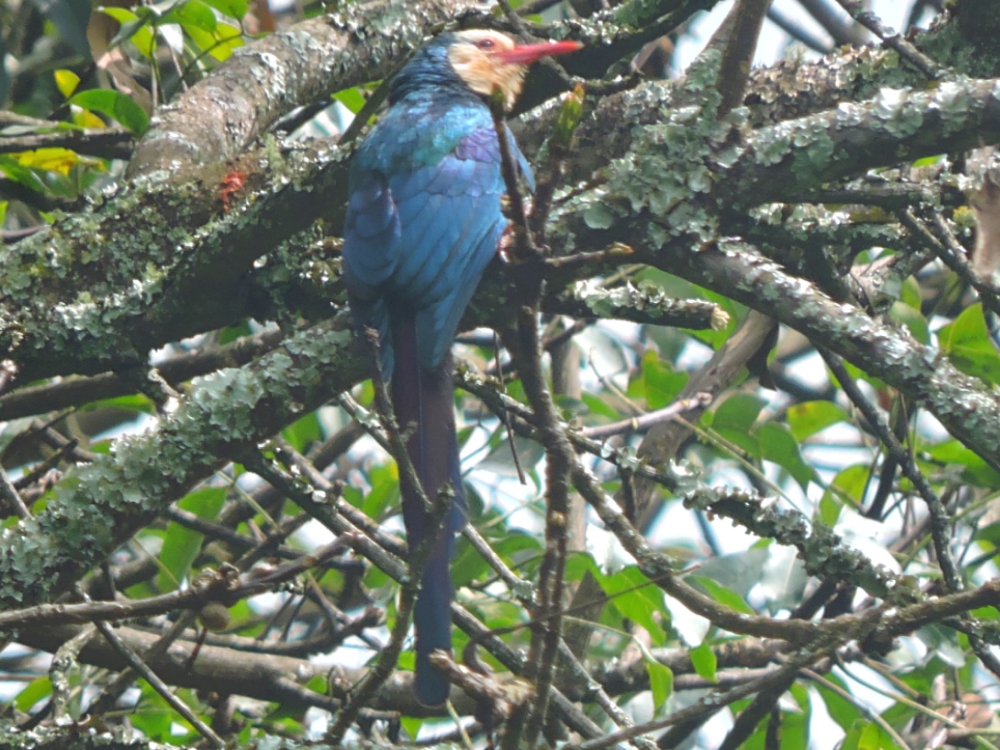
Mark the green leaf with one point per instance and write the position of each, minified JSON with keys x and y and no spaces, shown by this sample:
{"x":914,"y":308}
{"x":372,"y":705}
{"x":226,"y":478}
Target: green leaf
{"x":853,"y":734}
{"x":989,"y":533}
{"x":182,"y":545}
{"x":829,"y":509}
{"x":232,"y":8}
{"x":986,"y":613}
{"x":858,"y":374}
{"x":638,"y":599}
{"x":351,"y":98}
{"x":704,"y":661}
{"x":873,"y":737}
{"x":734,"y":310}
{"x":385,"y":490}
{"x":851,"y":482}
{"x":910,"y":293}
{"x":599,"y":407}
{"x":134,"y":28}
{"x":661,"y":682}
{"x":304,"y":432}
{"x":21,"y":174}
{"x":913,"y":320}
{"x":723,"y":595}
{"x":36,"y":690}
{"x":976,"y":470}
{"x":966,"y":342}
{"x":192,"y":14}
{"x":661,"y":382}
{"x":411,"y":725}
{"x":738,"y":412}
{"x":3,"y":212}
{"x":115,"y":105}
{"x":598,"y":217}
{"x":517,"y":543}
{"x":794,"y":730}
{"x":778,"y":445}
{"x":808,"y":418}
{"x":134,"y":402}
{"x":152,"y":715}
{"x":219,"y":43}
{"x":744,"y":441}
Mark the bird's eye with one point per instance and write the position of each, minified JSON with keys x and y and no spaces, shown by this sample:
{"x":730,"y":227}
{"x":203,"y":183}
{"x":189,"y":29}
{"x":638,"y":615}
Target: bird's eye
{"x":486,"y":44}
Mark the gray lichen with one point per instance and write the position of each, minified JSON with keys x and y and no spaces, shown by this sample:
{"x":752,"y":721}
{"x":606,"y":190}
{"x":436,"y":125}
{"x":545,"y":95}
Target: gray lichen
{"x":101,"y":504}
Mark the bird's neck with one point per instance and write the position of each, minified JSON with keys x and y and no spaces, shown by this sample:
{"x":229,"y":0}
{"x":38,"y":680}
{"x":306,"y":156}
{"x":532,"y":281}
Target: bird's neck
{"x":434,"y":78}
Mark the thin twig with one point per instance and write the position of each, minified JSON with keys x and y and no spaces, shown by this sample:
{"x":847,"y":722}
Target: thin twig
{"x":8,"y":372}
{"x":709,"y":703}
{"x":762,"y":705}
{"x":659,"y":568}
{"x":644,"y":422}
{"x":560,"y":457}
{"x":359,"y":531}
{"x":158,"y":685}
{"x":557,"y":149}
{"x":140,"y":666}
{"x":739,"y":31}
{"x":506,"y":417}
{"x":890,"y":38}
{"x":9,"y":493}
{"x":63,"y":661}
{"x":522,"y":590}
{"x":107,"y":699}
{"x":40,"y":469}
{"x":940,"y":522}
{"x":953,"y":256}
{"x":866,"y":710}
{"x":617,"y":253}
{"x":389,"y":655}
{"x":524,"y":423}
{"x":209,"y":586}
{"x":524,"y":244}
{"x":109,"y":143}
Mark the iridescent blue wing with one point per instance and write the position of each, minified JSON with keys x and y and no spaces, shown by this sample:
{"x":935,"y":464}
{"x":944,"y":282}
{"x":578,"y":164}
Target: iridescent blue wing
{"x":419,"y":239}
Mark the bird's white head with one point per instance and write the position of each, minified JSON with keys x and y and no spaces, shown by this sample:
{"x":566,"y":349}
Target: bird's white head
{"x":486,"y":60}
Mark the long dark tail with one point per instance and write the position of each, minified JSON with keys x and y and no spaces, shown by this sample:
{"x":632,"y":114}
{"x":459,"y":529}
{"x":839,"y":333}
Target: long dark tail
{"x":424,"y":403}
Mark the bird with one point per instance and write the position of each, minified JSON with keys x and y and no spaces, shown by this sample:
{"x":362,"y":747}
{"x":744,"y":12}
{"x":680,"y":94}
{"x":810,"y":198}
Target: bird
{"x":423,"y":221}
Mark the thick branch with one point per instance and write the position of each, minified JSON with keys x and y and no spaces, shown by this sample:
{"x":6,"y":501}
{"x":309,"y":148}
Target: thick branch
{"x":102,"y":504}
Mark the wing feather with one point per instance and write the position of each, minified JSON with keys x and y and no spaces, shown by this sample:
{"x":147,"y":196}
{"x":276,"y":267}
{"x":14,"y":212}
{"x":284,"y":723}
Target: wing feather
{"x":418,"y":236}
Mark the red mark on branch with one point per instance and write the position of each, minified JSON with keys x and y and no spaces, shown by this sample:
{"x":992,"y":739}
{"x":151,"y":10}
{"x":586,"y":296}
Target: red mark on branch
{"x":231,"y":184}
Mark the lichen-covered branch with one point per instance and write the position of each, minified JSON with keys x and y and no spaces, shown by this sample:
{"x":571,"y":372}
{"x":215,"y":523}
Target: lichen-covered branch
{"x":103,"y":503}
{"x":305,"y":63}
{"x":820,"y":548}
{"x":967,"y":408}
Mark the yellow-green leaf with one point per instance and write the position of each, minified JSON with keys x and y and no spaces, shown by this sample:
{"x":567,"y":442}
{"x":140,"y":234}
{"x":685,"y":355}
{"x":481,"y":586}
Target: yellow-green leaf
{"x":967,"y":343}
{"x":53,"y":159}
{"x":704,"y":661}
{"x":181,"y":545}
{"x":115,"y":105}
{"x":661,"y":682}
{"x":34,"y":691}
{"x":85,"y":118}
{"x":66,"y":82}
